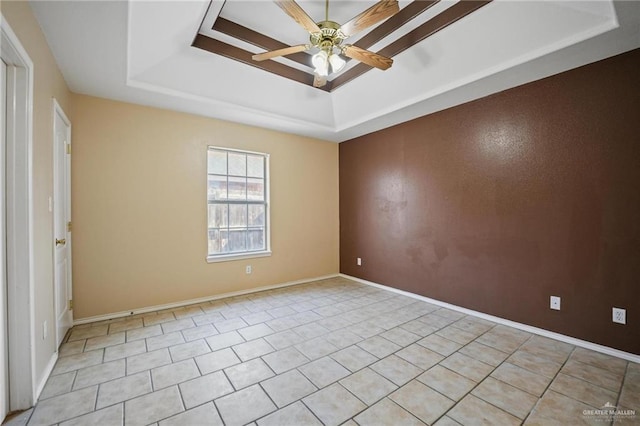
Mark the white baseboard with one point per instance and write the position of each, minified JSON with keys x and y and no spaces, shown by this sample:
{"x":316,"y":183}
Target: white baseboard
{"x":520,"y":326}
{"x":195,"y":301}
{"x":45,"y":376}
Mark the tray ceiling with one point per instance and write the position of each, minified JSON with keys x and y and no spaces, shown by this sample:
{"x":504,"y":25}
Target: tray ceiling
{"x":142,"y":52}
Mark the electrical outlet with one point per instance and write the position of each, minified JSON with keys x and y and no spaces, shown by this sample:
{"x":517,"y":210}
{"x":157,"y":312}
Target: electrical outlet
{"x":44,"y":330}
{"x":359,"y":261}
{"x":555,"y":303}
{"x":620,"y":315}
{"x":247,"y":269}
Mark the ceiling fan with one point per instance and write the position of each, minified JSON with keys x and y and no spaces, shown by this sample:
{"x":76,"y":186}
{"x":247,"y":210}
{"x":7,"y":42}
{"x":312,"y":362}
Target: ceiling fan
{"x":328,"y":36}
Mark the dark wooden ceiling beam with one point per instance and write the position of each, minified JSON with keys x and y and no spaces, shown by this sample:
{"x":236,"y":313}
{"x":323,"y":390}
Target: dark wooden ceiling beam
{"x":260,"y":40}
{"x":232,"y":52}
{"x":432,"y":26}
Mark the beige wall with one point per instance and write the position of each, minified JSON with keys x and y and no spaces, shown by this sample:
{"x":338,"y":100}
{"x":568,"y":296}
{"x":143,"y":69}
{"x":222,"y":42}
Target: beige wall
{"x":48,"y":84}
{"x":139,"y":207}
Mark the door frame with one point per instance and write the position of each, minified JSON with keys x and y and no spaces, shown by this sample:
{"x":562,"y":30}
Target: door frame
{"x":57,"y":110}
{"x":20,"y":265}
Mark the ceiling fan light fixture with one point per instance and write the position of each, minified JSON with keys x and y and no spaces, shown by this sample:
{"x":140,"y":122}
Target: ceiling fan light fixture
{"x":321,"y":63}
{"x":337,"y":63}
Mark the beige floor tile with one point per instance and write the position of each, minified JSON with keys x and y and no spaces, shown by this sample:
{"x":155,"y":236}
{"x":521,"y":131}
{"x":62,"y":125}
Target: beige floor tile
{"x":224,"y":340}
{"x":467,"y":366}
{"x":152,"y":407}
{"x":324,"y":371}
{"x":354,"y":358}
{"x":385,"y":413}
{"x":158,"y":318}
{"x":147,"y":361}
{"x":124,"y":325}
{"x":164,"y":341}
{"x":474,"y":411}
{"x":71,"y":348}
{"x":310,"y":331}
{"x":396,"y":369}
{"x":199,"y":332}
{"x":446,"y":421}
{"x":283,"y":339}
{"x":293,"y":415}
{"x":501,"y":342}
{"x":484,"y":353}
{"x":598,"y":376}
{"x":400,"y":336}
{"x":316,"y":348}
{"x":535,"y":363}
{"x":205,"y":414}
{"x":456,"y":334}
{"x":248,"y":373}
{"x":217,"y":360}
{"x":438,"y":321}
{"x":582,"y":391}
{"x":285,"y":359}
{"x":450,"y":384}
{"x":188,"y":350}
{"x":288,"y":387}
{"x":368,"y":386}
{"x":64,"y":407}
{"x":504,"y":396}
{"x":172,"y":374}
{"x":421,"y":401}
{"x":420,"y":356}
{"x":256,"y":318}
{"x":444,"y":347}
{"x":419,"y":328}
{"x":88,"y":332}
{"x":125,"y":350}
{"x":255,"y":331}
{"x":378,"y":346}
{"x":473,"y":325}
{"x":112,"y":416}
{"x":557,"y":409}
{"x":342,"y":338}
{"x":188,"y":311}
{"x":58,"y":385}
{"x":122,"y":389}
{"x":143,"y":333}
{"x":522,"y":379}
{"x":366,"y":329}
{"x":205,"y":388}
{"x":252,"y":349}
{"x":78,"y":361}
{"x":104,"y":341}
{"x":227,"y":325}
{"x":615,"y":365}
{"x":553,"y":350}
{"x":244,"y":406}
{"x":334,"y":405}
{"x":99,"y":374}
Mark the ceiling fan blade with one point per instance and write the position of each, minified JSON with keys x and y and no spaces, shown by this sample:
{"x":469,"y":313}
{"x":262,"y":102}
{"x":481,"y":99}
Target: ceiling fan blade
{"x":280,"y":52}
{"x":319,"y":80}
{"x":294,"y":10}
{"x":376,"y":13}
{"x":367,"y":57}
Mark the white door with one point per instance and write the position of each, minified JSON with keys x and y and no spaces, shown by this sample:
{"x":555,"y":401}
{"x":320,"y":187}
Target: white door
{"x":62,"y":221}
{"x":4,"y":358}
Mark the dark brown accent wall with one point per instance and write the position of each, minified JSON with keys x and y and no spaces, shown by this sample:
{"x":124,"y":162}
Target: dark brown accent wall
{"x":497,"y":204}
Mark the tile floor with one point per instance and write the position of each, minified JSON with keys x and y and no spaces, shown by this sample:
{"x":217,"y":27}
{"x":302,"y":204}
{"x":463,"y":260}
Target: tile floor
{"x":330,"y":352}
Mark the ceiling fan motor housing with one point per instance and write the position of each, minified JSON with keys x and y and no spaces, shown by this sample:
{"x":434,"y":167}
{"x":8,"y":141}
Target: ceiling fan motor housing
{"x":330,"y":35}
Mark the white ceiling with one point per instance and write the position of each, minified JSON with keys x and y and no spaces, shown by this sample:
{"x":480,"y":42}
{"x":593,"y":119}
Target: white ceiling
{"x":140,"y":52}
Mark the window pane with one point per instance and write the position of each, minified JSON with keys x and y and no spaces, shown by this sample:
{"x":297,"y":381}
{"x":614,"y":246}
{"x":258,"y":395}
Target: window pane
{"x":217,"y":187}
{"x":224,"y":241}
{"x":237,"y":164}
{"x":217,"y":162}
{"x":218,"y":215}
{"x":255,"y":189}
{"x":255,"y":239}
{"x":255,"y":166}
{"x":237,"y":240}
{"x":256,"y":215}
{"x":214,"y":241}
{"x":237,"y":215}
{"x":237,"y":188}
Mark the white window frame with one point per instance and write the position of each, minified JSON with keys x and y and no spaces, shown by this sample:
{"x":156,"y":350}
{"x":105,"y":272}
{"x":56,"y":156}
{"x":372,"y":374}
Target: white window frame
{"x":267,"y":205}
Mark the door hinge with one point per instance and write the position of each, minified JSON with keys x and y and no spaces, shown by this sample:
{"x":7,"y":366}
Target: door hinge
{"x":71,"y":304}
{"x":68,"y":148}
{"x":69,"y":226}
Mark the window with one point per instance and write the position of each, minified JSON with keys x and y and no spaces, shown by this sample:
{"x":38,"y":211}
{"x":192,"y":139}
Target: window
{"x":238,"y":204}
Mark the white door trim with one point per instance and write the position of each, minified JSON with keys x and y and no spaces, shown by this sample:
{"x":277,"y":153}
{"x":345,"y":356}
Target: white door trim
{"x":58,"y":111}
{"x":19,"y":219}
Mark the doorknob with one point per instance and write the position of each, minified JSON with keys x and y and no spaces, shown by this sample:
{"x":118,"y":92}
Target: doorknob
{"x":60,"y":242}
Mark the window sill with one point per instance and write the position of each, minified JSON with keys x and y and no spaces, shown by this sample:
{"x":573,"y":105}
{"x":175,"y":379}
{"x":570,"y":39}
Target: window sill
{"x":237,"y":256}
